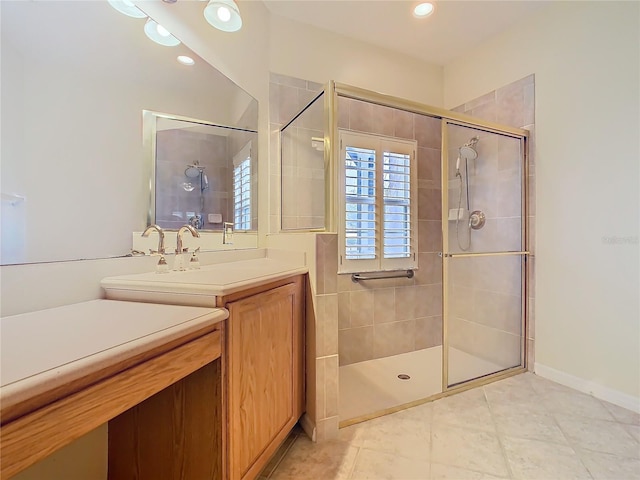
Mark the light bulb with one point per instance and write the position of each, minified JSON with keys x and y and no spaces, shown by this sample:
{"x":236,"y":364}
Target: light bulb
{"x":423,"y":9}
{"x":183,"y":59}
{"x":162,"y":31}
{"x":224,"y":14}
{"x":159,"y":34}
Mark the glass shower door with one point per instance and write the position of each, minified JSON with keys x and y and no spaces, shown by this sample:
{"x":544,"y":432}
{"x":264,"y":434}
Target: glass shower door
{"x":483,"y":254}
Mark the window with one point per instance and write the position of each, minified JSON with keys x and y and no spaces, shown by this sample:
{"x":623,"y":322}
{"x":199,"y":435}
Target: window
{"x":378,"y":203}
{"x":242,"y":189}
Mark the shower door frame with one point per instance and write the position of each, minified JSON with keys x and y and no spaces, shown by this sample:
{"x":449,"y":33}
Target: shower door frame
{"x":332,"y":91}
{"x":524,"y":253}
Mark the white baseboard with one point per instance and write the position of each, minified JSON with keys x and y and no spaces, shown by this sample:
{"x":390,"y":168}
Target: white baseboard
{"x":308,"y":426}
{"x":599,"y":391}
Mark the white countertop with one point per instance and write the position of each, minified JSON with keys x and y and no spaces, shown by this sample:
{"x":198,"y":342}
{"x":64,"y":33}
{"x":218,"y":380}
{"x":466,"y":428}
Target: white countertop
{"x":201,"y":287}
{"x":45,"y":349}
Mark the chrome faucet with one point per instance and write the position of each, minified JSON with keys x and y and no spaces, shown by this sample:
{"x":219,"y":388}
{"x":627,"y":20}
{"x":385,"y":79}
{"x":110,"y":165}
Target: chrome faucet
{"x":148,"y":230}
{"x":179,"y":261}
{"x":184,"y":228}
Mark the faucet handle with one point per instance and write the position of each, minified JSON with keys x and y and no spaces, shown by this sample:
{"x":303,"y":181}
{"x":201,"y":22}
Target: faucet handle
{"x":162,"y":266}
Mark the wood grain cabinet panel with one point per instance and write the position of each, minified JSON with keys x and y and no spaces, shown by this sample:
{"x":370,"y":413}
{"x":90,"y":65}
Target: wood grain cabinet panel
{"x":174,"y":435}
{"x":265,"y":371}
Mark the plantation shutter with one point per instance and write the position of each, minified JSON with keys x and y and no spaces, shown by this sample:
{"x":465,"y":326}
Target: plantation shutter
{"x":242,"y":189}
{"x":377,"y":217}
{"x":397,"y":205}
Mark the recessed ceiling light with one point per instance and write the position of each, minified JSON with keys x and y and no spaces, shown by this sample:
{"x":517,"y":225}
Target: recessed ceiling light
{"x":183,"y":59}
{"x":423,"y":10}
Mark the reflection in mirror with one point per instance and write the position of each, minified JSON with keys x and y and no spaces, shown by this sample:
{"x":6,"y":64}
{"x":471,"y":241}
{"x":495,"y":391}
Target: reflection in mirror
{"x":205,"y":175}
{"x":76,"y":77}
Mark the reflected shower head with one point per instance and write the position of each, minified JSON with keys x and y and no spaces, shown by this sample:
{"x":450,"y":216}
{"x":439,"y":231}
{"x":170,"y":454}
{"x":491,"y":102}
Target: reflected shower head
{"x":468,"y":150}
{"x":193,"y":171}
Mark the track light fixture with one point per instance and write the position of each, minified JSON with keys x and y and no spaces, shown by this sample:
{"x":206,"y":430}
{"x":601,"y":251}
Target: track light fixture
{"x":223,"y":15}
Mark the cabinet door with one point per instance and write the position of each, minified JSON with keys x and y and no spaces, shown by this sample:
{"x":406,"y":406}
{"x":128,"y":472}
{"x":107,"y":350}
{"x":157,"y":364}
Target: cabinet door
{"x":264,"y":366}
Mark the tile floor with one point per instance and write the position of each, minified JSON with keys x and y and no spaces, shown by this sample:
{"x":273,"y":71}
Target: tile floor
{"x":524,"y":427}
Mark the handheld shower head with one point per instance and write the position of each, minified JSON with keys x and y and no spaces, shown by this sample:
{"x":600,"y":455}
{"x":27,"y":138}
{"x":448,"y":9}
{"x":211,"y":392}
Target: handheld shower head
{"x":204,"y":182}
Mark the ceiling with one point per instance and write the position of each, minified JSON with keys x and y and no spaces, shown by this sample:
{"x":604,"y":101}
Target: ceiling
{"x":455,"y":27}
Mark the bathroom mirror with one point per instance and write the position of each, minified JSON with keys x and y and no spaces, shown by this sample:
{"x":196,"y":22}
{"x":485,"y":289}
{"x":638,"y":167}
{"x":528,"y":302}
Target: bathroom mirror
{"x":203,"y":174}
{"x":75,"y":80}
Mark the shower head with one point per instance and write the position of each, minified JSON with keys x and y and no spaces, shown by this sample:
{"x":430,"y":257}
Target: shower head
{"x":204,"y":183}
{"x":193,"y":171}
{"x":468,"y":150}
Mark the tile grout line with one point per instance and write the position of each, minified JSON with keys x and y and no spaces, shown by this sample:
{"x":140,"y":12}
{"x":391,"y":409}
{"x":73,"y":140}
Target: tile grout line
{"x":499,"y":437}
{"x":353,"y":466}
{"x":566,"y":437}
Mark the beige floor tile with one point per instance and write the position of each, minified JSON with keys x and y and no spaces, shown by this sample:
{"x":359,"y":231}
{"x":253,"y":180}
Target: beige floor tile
{"x":599,"y":435}
{"x":622,"y":415}
{"x":543,"y":386}
{"x":524,"y":427}
{"x":371,"y":464}
{"x":448,"y":472}
{"x":332,"y":460}
{"x":518,"y":421}
{"x":634,"y":431}
{"x":398,"y":436}
{"x":513,"y":391}
{"x":467,"y":409}
{"x":354,"y":434}
{"x":466,"y":448}
{"x":535,"y":460}
{"x":604,"y":466}
{"x":576,"y":404}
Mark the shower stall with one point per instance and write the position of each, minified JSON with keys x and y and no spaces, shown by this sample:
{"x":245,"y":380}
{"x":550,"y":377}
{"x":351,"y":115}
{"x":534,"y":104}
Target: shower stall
{"x":459,"y":319}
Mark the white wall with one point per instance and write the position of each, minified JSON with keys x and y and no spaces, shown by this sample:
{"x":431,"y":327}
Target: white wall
{"x":311,"y":53}
{"x":585,"y":57}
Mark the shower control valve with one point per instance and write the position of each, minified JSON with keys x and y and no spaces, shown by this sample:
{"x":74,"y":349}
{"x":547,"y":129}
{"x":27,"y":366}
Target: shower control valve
{"x":477,"y":219}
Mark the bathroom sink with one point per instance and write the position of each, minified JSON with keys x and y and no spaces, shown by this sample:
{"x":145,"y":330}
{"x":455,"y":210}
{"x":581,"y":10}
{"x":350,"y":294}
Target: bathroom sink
{"x":201,"y":287}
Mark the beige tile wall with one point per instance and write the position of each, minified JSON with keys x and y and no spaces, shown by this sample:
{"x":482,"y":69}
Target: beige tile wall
{"x":388,"y":317}
{"x":287,"y":96}
{"x":303,"y":184}
{"x":485,"y":295}
{"x":175,"y":150}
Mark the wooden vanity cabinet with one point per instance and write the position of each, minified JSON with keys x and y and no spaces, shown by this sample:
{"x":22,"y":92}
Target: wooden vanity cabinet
{"x":264,"y":373}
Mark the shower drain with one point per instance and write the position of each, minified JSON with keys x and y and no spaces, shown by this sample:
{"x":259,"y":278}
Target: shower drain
{"x":404,"y":376}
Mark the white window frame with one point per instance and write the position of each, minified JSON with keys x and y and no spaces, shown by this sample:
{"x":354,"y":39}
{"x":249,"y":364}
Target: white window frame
{"x":242,"y":166}
{"x":380,"y":144}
